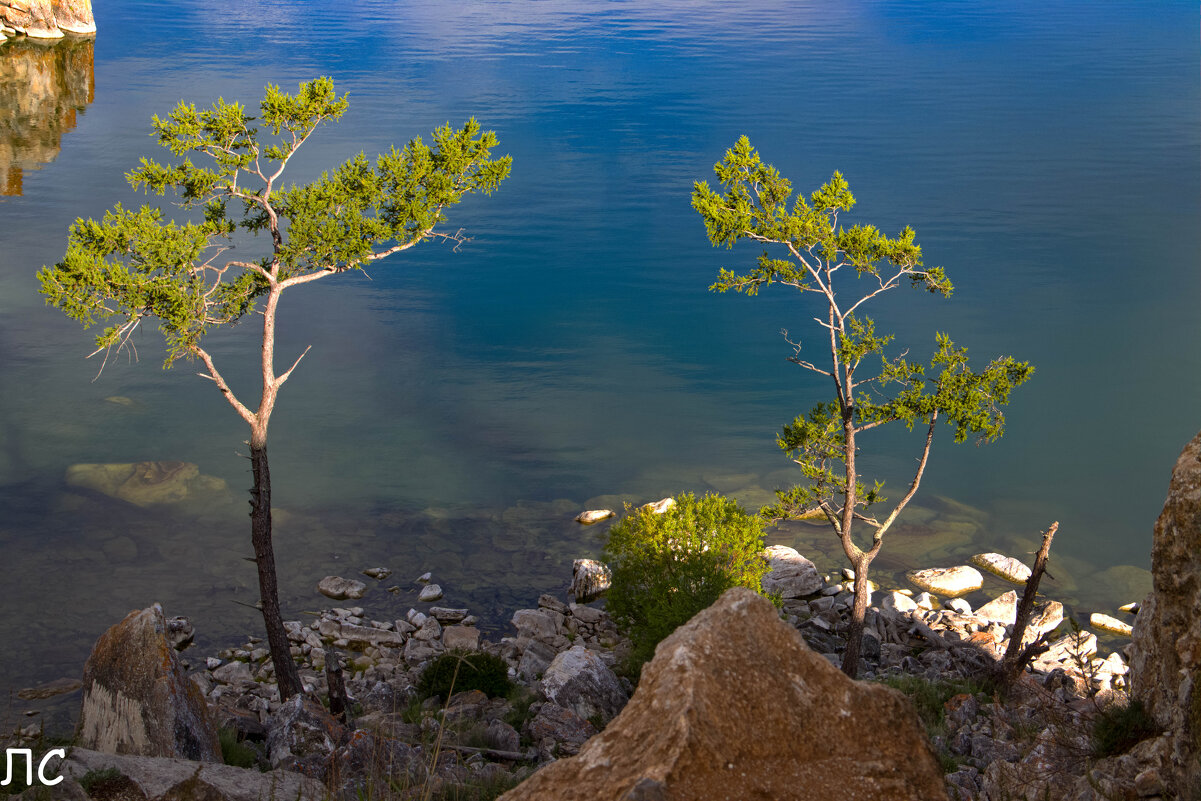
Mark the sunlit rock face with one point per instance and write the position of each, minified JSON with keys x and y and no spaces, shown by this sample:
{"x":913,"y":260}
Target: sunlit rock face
{"x":42,"y":88}
{"x":47,"y":19}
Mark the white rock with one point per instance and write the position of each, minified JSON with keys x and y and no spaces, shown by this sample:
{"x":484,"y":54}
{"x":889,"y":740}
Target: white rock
{"x":594,"y":516}
{"x":1006,"y":567}
{"x":659,"y":507}
{"x":1110,"y":624}
{"x":952,"y":581}
{"x":1002,"y":609}
{"x":897,"y":602}
{"x":1130,"y":608}
{"x":926,"y":601}
{"x":1048,"y":619}
{"x":425,"y":578}
{"x":430,"y":592}
{"x":958,"y":605}
{"x":789,"y":573}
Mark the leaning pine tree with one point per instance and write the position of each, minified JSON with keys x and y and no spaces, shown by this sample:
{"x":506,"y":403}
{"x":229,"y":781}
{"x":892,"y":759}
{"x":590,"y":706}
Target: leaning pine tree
{"x":815,"y":256}
{"x":134,"y":266}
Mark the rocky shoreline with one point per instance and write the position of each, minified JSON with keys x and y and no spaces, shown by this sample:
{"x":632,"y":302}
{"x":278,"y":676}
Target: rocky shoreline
{"x":988,"y":748}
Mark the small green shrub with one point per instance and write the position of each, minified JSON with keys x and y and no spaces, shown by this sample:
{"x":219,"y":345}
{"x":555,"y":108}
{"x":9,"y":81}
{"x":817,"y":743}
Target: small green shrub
{"x":1119,"y":727}
{"x":476,"y":671}
{"x":98,"y":780}
{"x":929,"y":697}
{"x":667,"y":567}
{"x":236,"y":753}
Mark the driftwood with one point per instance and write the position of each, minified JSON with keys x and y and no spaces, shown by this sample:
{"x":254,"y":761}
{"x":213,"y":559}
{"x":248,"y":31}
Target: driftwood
{"x":515,"y":756}
{"x":1016,"y":657}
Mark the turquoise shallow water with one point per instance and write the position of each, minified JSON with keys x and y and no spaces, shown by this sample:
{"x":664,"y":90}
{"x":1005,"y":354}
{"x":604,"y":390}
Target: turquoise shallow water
{"x":457,"y":408}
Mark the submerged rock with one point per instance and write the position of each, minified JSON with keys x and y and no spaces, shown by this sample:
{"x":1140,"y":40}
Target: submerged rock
{"x":735,"y":705}
{"x":144,"y":483}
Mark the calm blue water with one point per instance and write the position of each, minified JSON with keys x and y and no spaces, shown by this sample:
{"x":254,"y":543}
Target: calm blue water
{"x":1046,"y":153}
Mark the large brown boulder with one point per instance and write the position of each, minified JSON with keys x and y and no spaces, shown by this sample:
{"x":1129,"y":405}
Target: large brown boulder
{"x":735,"y":706}
{"x":1165,"y":667}
{"x":137,"y":699}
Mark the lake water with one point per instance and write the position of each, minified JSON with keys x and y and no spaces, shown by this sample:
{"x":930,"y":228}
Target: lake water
{"x":457,"y":409}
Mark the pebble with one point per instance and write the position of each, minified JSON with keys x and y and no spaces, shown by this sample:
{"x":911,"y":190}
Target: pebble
{"x":377,"y":573}
{"x":430,"y":592}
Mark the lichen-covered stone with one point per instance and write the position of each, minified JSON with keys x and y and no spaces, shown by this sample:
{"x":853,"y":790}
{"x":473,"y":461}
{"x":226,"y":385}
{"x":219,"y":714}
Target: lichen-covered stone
{"x":137,"y":698}
{"x":1165,"y":668}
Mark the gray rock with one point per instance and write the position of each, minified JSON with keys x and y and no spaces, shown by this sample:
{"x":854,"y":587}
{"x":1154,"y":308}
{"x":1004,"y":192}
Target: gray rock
{"x":303,"y":736}
{"x":567,"y":729}
{"x":430,"y":592}
{"x":579,"y":680}
{"x":464,"y":638}
{"x":377,"y":573}
{"x":444,"y":615}
{"x":789,"y":573}
{"x":234,"y":673}
{"x":537,"y":624}
{"x":546,"y":601}
{"x":418,"y":651}
{"x":340,"y":588}
{"x":587,"y":614}
{"x":158,"y":777}
{"x":536,"y":657}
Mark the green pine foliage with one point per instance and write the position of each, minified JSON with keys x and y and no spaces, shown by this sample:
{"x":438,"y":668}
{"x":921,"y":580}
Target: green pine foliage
{"x":804,"y":246}
{"x":669,"y":566}
{"x":133,"y":265}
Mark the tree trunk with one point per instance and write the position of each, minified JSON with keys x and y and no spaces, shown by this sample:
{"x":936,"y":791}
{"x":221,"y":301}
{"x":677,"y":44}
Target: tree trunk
{"x":286,"y":674}
{"x":850,"y":658}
